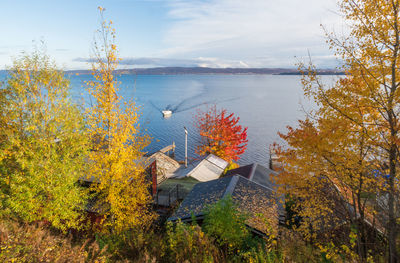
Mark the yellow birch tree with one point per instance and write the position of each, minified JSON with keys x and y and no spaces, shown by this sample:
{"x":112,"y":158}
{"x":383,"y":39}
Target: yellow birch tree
{"x":117,"y":155}
{"x":43,"y":145}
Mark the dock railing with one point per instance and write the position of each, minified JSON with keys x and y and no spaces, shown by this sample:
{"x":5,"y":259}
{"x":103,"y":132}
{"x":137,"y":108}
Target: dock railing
{"x":167,"y":150}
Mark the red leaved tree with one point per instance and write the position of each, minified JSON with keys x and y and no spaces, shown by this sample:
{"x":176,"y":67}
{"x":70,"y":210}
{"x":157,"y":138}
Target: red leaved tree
{"x":220,"y":134}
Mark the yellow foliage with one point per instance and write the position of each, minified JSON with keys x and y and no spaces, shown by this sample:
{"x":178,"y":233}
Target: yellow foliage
{"x":346,"y":154}
{"x":117,"y":153}
{"x":42,"y":144}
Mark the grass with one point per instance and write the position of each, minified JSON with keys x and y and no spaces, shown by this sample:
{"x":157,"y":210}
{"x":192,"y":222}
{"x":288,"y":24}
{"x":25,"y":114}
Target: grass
{"x":186,"y":184}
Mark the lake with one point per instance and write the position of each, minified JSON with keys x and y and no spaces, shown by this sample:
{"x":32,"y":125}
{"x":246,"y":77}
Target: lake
{"x":265,"y":104}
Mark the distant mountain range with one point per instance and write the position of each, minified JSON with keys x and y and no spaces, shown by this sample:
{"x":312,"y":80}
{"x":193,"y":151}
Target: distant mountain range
{"x":204,"y":70}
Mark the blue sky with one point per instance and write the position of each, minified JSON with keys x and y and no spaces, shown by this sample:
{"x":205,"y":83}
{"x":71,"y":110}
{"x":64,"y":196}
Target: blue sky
{"x":150,"y":33}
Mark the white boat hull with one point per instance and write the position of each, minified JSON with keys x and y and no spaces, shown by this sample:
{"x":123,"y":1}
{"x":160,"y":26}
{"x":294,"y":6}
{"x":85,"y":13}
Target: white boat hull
{"x":167,"y":113}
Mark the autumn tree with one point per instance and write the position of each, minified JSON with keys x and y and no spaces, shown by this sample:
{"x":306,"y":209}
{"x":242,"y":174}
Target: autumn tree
{"x":3,"y":121}
{"x":43,"y":144}
{"x":220,"y":134}
{"x":327,"y":169}
{"x":368,"y":96}
{"x":116,"y":157}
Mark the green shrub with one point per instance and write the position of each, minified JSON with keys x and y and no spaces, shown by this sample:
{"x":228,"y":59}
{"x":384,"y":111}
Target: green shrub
{"x":189,"y":243}
{"x":134,"y":245}
{"x":226,"y":224}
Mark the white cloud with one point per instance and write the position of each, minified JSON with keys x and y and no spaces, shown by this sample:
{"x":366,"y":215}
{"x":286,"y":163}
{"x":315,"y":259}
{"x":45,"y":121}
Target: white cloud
{"x":250,"y":33}
{"x":172,"y":62}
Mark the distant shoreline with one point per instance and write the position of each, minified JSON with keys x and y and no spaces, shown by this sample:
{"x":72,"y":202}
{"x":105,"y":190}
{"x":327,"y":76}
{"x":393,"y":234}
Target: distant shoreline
{"x":318,"y":73}
{"x":206,"y":71}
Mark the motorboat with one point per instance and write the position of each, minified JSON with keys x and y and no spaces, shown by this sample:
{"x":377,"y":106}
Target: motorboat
{"x":167,"y":113}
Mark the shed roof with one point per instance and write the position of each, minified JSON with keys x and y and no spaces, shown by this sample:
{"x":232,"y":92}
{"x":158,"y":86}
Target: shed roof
{"x":252,"y":198}
{"x":255,"y":172}
{"x":244,"y":171}
{"x":166,"y":166}
{"x":202,"y":194}
{"x":209,"y":168}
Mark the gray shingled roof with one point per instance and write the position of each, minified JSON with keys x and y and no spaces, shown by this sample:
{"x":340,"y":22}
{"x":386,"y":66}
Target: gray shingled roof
{"x":256,"y":173}
{"x":245,"y":171}
{"x":262,"y":175}
{"x":252,"y":198}
{"x":200,"y":196}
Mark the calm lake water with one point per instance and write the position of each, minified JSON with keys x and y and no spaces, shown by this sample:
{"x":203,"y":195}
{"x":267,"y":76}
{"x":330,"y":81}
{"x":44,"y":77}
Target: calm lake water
{"x":265,"y":104}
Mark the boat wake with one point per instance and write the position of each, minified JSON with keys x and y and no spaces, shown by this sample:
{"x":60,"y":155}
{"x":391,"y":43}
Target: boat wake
{"x":182,"y":106}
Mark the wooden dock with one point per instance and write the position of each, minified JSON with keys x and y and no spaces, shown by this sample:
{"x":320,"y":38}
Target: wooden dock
{"x":274,"y":163}
{"x":167,"y":150}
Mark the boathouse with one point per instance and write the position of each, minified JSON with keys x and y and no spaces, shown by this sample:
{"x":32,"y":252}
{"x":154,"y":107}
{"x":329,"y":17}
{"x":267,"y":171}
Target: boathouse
{"x":254,"y":199}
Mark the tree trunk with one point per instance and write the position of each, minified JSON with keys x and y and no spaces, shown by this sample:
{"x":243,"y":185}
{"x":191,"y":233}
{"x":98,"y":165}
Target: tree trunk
{"x":392,"y":226}
{"x":362,"y":250}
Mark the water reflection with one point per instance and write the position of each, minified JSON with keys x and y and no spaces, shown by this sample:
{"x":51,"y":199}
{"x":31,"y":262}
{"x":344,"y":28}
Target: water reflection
{"x":265,"y":104}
